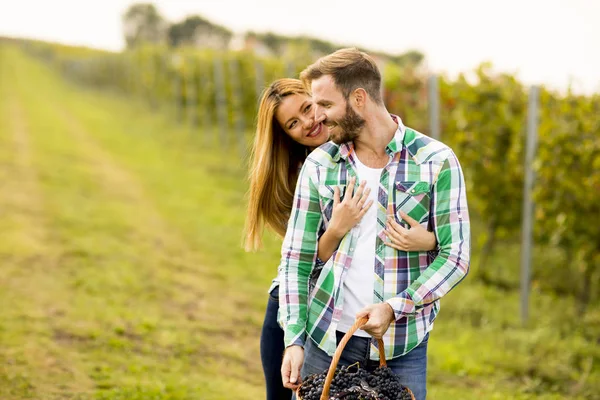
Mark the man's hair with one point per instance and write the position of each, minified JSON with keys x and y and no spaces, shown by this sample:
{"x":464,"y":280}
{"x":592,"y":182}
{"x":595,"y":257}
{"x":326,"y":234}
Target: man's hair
{"x":350,"y":69}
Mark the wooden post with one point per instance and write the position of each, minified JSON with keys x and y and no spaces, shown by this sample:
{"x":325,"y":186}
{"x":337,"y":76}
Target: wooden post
{"x":528,"y":206}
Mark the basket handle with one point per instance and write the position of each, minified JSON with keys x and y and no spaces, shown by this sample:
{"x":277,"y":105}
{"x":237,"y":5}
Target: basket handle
{"x":338,"y":354}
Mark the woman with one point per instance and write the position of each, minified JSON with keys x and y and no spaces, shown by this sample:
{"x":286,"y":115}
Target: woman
{"x":286,"y":132}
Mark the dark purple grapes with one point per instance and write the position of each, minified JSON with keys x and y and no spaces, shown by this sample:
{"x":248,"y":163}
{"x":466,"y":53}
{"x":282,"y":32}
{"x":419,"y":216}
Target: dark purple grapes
{"x":353,"y":383}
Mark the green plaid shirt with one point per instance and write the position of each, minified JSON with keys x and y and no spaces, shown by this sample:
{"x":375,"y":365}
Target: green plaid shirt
{"x":423,"y":178}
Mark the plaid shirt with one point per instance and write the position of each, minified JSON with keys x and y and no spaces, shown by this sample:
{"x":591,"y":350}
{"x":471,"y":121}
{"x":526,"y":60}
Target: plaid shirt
{"x":423,"y":179}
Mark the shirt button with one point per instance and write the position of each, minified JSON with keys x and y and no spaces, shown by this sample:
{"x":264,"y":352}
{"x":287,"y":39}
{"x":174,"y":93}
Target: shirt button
{"x":351,"y":248}
{"x":413,"y":190}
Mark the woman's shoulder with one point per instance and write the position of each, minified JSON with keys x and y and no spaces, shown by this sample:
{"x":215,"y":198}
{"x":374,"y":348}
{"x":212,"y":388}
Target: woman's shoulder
{"x":324,"y":155}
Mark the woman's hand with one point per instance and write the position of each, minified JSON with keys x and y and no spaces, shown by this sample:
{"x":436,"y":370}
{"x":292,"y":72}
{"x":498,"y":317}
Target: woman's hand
{"x":417,"y":238}
{"x":348,"y":212}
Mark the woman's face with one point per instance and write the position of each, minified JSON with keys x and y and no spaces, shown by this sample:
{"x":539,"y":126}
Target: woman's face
{"x":296,"y":116}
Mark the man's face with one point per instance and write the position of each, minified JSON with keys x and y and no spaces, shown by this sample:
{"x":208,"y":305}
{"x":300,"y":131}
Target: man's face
{"x":334,"y":111}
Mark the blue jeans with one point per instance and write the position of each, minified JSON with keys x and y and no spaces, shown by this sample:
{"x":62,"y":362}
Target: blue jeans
{"x":271,"y":351}
{"x":411,"y":367}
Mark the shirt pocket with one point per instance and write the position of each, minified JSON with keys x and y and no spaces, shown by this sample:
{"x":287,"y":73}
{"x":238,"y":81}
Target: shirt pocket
{"x":414,"y":198}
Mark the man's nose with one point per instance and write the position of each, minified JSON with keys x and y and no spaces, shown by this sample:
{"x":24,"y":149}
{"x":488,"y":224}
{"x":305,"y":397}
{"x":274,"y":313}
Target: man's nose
{"x":319,"y":114}
{"x":308,"y":121}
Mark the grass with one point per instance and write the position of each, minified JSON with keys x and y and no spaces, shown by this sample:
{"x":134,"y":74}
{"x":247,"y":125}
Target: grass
{"x":122,"y":274}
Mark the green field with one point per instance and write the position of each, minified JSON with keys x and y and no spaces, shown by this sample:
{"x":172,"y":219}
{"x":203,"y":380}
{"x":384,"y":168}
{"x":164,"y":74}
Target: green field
{"x":122,"y":274}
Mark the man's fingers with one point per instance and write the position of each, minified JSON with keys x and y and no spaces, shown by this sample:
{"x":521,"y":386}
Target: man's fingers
{"x":373,"y":329}
{"x":411,"y":221}
{"x":371,"y":326}
{"x":367,"y":326}
{"x":364,"y":312}
{"x":336,"y":196}
{"x":377,"y":334}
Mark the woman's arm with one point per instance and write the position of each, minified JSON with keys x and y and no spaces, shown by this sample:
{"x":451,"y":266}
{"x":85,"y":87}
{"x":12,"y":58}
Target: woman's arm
{"x":328,"y":242}
{"x":348,"y":212}
{"x":417,"y":238}
{"x":345,"y":215}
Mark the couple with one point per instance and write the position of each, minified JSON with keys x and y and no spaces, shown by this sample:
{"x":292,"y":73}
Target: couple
{"x":375,"y":223}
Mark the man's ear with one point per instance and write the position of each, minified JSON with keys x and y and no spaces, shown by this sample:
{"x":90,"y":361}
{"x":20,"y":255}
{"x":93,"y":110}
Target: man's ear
{"x":359,"y":97}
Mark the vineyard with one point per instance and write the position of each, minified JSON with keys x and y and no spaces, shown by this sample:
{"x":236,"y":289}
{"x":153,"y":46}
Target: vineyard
{"x":124,"y":156}
{"x":483,"y":119}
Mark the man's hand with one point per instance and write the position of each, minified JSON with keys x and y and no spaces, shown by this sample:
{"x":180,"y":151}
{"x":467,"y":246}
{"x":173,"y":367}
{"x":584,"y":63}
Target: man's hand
{"x":380,"y":317}
{"x":291,"y":365}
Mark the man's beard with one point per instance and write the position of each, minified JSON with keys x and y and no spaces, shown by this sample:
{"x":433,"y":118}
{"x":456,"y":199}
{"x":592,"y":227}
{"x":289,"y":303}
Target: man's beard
{"x":350,"y":125}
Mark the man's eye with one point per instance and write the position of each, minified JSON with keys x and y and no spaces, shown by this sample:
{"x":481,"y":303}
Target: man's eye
{"x":307,"y":108}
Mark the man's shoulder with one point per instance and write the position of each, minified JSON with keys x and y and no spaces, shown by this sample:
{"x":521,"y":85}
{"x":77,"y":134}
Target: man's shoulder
{"x":424,"y":148}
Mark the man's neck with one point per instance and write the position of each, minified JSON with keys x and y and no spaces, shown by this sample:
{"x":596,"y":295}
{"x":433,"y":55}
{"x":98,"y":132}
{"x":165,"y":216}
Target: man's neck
{"x":377,"y":133}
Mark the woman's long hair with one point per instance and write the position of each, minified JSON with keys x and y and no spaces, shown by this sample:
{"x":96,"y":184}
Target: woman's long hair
{"x":275,"y":163}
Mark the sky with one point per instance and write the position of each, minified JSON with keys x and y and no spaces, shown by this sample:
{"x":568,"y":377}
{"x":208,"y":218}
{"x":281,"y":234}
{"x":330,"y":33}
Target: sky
{"x":551,"y":42}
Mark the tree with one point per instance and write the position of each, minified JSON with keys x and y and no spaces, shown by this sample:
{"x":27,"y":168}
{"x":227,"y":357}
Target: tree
{"x":199,"y":32}
{"x":142,"y":23}
{"x":315,"y":48}
{"x":411,"y":57}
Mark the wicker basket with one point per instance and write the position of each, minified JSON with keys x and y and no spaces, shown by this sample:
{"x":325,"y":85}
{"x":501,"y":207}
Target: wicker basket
{"x":338,"y":354}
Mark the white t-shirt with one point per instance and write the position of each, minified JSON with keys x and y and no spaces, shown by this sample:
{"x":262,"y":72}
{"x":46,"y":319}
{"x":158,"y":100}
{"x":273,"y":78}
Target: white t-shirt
{"x":360,"y":277}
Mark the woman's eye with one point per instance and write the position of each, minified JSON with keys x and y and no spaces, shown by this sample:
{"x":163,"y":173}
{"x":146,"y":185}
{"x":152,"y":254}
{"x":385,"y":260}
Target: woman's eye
{"x":308,"y":107}
{"x":292,"y":125}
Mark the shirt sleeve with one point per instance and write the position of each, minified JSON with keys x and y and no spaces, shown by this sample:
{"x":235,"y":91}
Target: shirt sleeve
{"x":450,"y":218}
{"x":298,"y":255}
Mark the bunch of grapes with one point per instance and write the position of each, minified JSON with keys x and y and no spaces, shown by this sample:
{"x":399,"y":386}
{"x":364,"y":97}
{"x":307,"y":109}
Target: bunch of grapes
{"x":353,"y":383}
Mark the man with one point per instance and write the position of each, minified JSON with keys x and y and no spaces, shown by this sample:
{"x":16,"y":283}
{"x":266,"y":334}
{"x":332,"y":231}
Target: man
{"x":398,"y":291}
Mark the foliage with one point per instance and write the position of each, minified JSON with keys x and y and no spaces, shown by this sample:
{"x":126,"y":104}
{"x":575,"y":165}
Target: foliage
{"x":487,"y":121}
{"x":198,"y":31}
{"x":142,"y":23}
{"x":483,"y":118}
{"x":568,"y":185}
{"x":123,"y":276}
{"x":314,"y":47}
